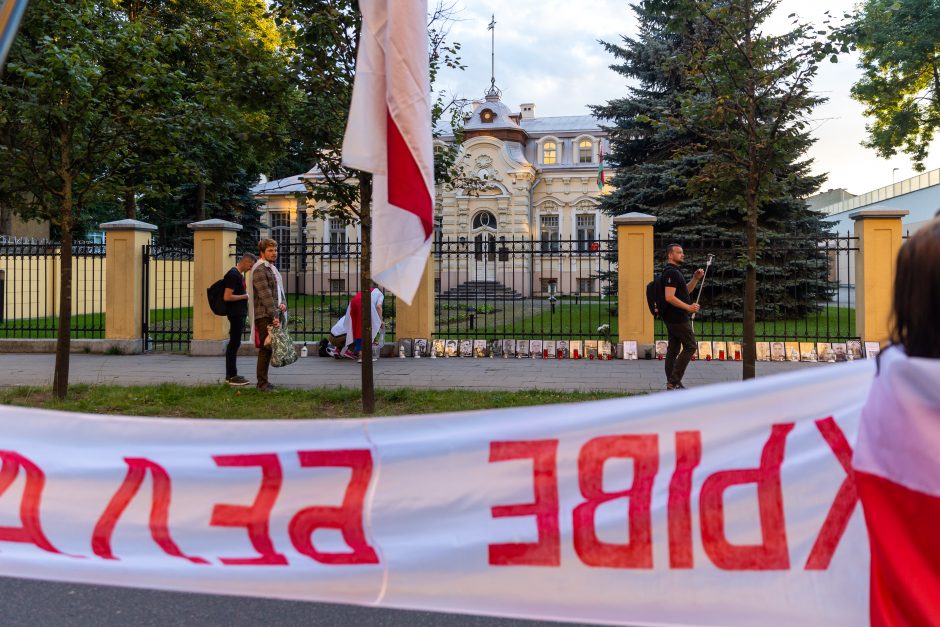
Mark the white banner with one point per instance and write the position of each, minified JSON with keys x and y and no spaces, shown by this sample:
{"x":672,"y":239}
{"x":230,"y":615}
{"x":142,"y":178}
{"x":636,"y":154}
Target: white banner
{"x":726,"y":505}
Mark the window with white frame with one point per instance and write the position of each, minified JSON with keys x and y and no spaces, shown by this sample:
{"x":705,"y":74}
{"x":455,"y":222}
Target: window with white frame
{"x":337,"y":236}
{"x":585,"y":151}
{"x":550,"y":152}
{"x":586,"y":229}
{"x":550,"y":234}
{"x":280,"y":233}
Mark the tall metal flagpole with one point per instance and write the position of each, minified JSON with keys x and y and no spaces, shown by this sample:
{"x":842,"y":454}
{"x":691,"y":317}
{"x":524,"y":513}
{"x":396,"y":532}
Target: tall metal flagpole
{"x":11,"y":12}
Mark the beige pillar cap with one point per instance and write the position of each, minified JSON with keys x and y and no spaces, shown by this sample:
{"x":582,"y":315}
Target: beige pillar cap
{"x":635,"y":219}
{"x":127,"y":225}
{"x":884,"y":213}
{"x":214,"y":225}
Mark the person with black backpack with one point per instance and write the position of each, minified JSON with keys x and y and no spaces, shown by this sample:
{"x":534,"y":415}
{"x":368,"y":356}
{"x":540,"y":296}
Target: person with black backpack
{"x":676,"y":306}
{"x":236,"y":309}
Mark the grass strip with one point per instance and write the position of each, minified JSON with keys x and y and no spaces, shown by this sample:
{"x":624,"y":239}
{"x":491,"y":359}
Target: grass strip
{"x":223,"y":402}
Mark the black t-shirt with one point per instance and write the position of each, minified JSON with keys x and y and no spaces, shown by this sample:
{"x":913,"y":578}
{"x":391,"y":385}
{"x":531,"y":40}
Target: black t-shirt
{"x":236,"y":282}
{"x":672,"y":277}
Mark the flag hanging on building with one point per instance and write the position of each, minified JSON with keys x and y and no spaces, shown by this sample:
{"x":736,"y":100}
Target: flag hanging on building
{"x":389,"y":134}
{"x":600,"y":170}
{"x":11,"y":12}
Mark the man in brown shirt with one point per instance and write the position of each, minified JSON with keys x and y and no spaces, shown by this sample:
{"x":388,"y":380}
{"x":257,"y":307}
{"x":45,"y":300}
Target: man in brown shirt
{"x":268,"y":304}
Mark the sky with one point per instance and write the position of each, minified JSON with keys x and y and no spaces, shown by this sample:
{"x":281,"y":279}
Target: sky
{"x":547,"y":52}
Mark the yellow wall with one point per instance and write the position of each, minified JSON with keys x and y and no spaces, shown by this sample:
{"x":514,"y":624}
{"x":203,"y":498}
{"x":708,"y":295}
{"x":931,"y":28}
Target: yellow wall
{"x":31,"y":286}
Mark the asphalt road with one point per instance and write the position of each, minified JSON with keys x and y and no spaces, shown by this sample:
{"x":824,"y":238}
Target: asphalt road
{"x":38,"y":603}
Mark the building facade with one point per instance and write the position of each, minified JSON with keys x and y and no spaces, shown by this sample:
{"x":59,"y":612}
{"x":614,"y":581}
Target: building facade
{"x":531,"y":220}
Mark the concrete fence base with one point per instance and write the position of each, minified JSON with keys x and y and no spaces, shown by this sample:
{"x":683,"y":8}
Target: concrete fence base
{"x":115,"y":347}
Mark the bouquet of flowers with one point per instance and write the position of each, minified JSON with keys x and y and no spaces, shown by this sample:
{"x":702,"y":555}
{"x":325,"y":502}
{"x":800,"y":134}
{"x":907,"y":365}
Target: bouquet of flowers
{"x":604,"y":332}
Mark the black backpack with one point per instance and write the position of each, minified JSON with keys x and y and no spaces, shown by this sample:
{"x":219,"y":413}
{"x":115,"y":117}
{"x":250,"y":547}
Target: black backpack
{"x":216,"y":295}
{"x":656,"y":295}
{"x":323,"y":348}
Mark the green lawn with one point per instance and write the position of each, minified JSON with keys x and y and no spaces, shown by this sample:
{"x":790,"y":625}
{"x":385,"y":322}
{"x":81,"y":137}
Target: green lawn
{"x":220,"y":401}
{"x":46,"y":328}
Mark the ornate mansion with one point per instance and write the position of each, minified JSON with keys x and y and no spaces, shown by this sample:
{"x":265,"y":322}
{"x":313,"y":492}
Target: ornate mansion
{"x":532,"y":224}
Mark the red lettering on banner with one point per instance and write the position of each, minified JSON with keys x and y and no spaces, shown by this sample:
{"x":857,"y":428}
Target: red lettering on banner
{"x":547,"y":550}
{"x":842,"y":506}
{"x":688,"y":456}
{"x":772,"y":553}
{"x":30,"y":531}
{"x":256,"y":517}
{"x":137,"y":467}
{"x":347,"y":517}
{"x":638,"y":551}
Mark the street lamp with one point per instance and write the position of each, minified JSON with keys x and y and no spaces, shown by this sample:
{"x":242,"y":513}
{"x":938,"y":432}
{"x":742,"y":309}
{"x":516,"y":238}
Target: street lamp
{"x":892,"y":174}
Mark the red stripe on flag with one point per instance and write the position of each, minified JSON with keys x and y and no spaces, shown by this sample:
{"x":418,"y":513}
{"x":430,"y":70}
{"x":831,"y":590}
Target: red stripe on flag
{"x":406,"y":187}
{"x":905,"y":552}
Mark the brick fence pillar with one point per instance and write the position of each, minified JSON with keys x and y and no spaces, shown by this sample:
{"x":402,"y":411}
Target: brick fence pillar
{"x":879,"y":239}
{"x":417,"y":319}
{"x":634,"y":271}
{"x":125,"y":241}
{"x":213,"y":255}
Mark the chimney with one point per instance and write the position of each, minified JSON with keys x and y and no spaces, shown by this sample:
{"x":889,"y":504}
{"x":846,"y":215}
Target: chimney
{"x":528,"y":110}
{"x":476,"y":104}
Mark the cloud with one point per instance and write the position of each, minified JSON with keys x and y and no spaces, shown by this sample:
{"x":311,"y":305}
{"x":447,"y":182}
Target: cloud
{"x":547,"y":52}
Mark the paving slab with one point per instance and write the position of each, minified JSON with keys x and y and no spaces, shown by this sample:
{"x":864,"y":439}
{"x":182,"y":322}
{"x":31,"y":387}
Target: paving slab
{"x":640,"y":376}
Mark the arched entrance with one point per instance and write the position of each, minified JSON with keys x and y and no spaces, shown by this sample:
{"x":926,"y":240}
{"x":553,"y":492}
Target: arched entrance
{"x":483,"y":231}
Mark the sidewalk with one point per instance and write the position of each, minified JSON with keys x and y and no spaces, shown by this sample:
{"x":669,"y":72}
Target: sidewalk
{"x":641,"y":376}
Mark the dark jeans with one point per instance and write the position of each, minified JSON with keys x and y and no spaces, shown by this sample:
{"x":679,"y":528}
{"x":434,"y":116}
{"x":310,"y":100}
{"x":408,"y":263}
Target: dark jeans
{"x":682,"y":346}
{"x":236,"y":324}
{"x":264,"y":352}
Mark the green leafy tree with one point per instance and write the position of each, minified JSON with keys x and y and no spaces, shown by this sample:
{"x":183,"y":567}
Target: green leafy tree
{"x":80,"y":85}
{"x":745,"y":108}
{"x":899,"y":42}
{"x":656,"y":161}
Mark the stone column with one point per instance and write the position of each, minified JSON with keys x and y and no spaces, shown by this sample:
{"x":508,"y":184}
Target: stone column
{"x":125,"y":241}
{"x":634,"y":271}
{"x":879,"y":239}
{"x":213,"y":255}
{"x":417,"y":319}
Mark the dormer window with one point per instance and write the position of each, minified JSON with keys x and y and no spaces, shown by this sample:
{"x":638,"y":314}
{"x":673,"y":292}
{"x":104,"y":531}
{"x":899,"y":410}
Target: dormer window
{"x":487,"y":116}
{"x":585,"y":151}
{"x":549,"y":153}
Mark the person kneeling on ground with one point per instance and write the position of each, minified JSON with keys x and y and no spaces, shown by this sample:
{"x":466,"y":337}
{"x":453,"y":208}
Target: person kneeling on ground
{"x":350,"y":326}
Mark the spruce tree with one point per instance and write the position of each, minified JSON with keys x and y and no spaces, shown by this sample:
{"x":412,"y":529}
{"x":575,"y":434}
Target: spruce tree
{"x":657,"y":165}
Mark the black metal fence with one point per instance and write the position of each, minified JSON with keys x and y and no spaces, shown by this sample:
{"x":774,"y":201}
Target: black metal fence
{"x":523,"y":288}
{"x":30,"y":280}
{"x":805,"y":288}
{"x":167,"y":307}
{"x":320,"y":279}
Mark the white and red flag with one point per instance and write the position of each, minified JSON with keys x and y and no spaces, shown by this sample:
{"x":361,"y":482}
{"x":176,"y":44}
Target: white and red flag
{"x":389,"y":135}
{"x":897,"y":470}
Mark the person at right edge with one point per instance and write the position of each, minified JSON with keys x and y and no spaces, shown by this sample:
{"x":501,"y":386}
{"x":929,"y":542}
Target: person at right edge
{"x":678,"y":306}
{"x":267,"y":299}
{"x":896,"y":465}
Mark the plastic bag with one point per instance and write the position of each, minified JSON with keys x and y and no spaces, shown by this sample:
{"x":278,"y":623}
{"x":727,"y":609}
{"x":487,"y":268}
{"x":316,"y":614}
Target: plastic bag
{"x":283,"y":352}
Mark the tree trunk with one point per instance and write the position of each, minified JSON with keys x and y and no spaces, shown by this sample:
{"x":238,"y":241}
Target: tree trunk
{"x":200,"y":209}
{"x":749,"y":345}
{"x":365,"y":286}
{"x":6,"y":219}
{"x":60,"y":380}
{"x":130,"y":205}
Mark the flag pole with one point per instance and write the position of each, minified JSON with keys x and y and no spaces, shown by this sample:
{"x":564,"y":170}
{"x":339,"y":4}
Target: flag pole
{"x":365,"y":288}
{"x":11,"y":12}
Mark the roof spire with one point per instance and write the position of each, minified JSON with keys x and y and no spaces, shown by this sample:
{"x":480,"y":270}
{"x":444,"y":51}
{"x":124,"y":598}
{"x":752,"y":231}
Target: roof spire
{"x":494,"y":90}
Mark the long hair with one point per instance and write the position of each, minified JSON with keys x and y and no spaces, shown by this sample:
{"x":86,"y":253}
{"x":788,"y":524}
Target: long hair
{"x":915,"y":323}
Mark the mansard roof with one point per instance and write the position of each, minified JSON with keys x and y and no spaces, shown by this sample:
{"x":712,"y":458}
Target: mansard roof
{"x":562,"y":124}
